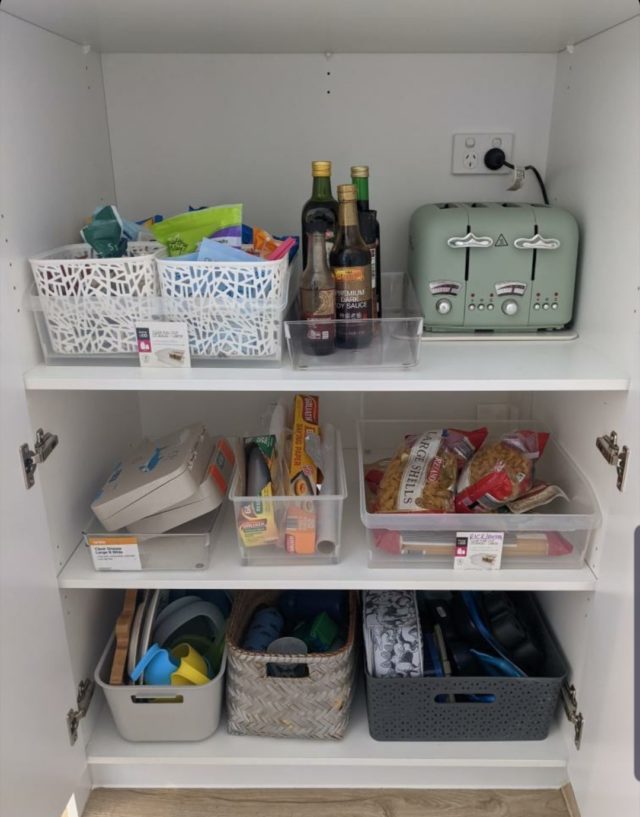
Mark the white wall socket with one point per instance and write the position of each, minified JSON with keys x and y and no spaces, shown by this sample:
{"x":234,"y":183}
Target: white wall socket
{"x":469,"y":150}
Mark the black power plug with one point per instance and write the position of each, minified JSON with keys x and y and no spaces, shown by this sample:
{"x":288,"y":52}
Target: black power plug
{"x":495,"y":158}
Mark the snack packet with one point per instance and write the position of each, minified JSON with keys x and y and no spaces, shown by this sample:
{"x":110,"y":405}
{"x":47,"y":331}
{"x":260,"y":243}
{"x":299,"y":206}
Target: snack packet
{"x":256,"y":517}
{"x":422,"y":476}
{"x":300,"y":534}
{"x":183,"y":233}
{"x":500,"y":473}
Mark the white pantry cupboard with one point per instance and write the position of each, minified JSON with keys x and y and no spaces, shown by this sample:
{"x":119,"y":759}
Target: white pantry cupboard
{"x":157,"y":106}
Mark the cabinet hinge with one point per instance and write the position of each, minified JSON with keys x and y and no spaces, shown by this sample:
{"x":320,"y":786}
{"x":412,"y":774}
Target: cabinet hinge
{"x":42,"y":448}
{"x":610,"y":449}
{"x":74,"y":716}
{"x":574,"y":716}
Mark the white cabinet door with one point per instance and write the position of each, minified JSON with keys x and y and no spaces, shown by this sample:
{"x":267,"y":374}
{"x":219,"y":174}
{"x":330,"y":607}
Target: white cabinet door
{"x":39,"y":769}
{"x":602,"y":772}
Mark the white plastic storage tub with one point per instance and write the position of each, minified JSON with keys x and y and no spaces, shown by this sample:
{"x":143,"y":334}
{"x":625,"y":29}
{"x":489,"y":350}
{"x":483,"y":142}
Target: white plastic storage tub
{"x":162,"y":713}
{"x":87,"y":306}
{"x":233,"y":309}
{"x":322,"y":513}
{"x":554,"y":536}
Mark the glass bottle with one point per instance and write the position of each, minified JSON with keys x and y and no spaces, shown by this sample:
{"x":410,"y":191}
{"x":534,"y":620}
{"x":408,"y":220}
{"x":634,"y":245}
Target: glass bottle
{"x":351,"y":265}
{"x":318,"y":296}
{"x":320,"y":207}
{"x":370,"y":231}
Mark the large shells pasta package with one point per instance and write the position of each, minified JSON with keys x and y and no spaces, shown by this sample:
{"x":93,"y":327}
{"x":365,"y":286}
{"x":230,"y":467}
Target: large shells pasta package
{"x":423,"y":474}
{"x":500,"y":472}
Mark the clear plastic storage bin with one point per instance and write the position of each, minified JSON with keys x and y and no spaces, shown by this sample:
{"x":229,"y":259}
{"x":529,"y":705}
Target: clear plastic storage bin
{"x":554,"y":536}
{"x":233,"y":309}
{"x":88,"y":307}
{"x":187,"y":547}
{"x":288,"y":515}
{"x":395,"y":338}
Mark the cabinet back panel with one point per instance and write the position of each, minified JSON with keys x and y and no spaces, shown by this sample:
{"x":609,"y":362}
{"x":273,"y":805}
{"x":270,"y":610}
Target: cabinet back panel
{"x":210,"y":128}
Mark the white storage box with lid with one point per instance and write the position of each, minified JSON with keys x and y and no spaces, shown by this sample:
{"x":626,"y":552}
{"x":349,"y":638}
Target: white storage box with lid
{"x":158,"y":475}
{"x":233,"y":309}
{"x":88,"y":306}
{"x":553,"y":536}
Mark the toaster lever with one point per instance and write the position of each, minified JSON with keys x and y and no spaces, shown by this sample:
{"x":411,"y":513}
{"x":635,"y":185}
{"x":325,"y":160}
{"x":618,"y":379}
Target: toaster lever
{"x":470,"y":240}
{"x":536,"y":242}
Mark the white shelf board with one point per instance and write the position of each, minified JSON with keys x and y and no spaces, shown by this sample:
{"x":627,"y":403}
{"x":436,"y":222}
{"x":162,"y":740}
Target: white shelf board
{"x":225,"y":760}
{"x":225,"y":570}
{"x":453,"y":366}
{"x":359,"y":26}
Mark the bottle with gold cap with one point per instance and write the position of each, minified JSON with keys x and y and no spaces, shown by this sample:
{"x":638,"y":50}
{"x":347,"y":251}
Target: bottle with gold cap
{"x":370,"y":231}
{"x":320,"y":207}
{"x":350,"y":261}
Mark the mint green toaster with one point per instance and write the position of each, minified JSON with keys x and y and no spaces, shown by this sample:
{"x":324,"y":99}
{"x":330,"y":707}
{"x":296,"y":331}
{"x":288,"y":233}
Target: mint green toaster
{"x":494,"y":267}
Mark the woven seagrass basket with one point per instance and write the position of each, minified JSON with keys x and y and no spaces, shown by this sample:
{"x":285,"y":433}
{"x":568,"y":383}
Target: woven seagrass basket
{"x":316,"y":706}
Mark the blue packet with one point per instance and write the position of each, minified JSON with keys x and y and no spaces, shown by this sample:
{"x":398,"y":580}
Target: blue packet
{"x":212,"y":250}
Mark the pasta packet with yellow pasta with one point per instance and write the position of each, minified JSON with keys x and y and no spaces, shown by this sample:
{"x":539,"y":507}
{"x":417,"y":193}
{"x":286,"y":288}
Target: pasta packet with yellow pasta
{"x":422,"y":476}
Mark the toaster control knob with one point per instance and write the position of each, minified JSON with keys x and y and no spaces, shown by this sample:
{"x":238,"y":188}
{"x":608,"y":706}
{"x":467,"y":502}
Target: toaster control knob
{"x":443,"y":306}
{"x":510,"y":307}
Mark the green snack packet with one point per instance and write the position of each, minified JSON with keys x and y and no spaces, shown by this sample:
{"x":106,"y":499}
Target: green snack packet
{"x":105,"y":234}
{"x":182,"y":234}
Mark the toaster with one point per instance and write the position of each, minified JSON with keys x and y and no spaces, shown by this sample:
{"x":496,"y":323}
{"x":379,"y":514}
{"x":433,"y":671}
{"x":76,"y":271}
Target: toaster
{"x":494,"y":267}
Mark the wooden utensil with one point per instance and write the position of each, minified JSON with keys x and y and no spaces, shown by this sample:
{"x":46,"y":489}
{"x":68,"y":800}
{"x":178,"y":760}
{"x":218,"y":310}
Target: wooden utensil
{"x":123,"y":634}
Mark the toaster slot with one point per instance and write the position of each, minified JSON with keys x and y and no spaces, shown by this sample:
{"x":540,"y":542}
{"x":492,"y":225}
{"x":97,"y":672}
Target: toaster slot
{"x":556,"y":240}
{"x":500,"y":278}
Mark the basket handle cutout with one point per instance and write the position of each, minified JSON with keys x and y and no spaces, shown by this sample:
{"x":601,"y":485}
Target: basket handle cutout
{"x":466,"y":698}
{"x":157,"y":698}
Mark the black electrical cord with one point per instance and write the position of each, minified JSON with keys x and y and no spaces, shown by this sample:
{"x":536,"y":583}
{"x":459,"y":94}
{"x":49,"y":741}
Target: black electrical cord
{"x":543,"y":189}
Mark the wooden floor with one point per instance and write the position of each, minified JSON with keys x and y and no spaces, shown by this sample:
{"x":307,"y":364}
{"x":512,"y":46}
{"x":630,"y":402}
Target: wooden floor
{"x":324,"y":803}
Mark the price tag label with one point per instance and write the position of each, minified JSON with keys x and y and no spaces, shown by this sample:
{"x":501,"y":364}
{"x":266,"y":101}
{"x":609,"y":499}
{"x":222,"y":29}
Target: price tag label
{"x":163,"y":345}
{"x":478,"y":550}
{"x":116,"y":553}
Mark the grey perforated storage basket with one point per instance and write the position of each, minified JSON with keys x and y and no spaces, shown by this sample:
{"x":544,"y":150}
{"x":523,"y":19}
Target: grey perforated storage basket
{"x":522,"y":709}
{"x":317,"y":706}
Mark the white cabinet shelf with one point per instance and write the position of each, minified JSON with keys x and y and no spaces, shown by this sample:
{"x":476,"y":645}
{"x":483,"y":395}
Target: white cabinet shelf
{"x":226,"y":760}
{"x":225,"y":570}
{"x":454,"y":366}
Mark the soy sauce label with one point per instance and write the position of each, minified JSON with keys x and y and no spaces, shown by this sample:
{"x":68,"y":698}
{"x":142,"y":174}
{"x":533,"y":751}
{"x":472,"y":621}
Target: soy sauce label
{"x":353,"y":292}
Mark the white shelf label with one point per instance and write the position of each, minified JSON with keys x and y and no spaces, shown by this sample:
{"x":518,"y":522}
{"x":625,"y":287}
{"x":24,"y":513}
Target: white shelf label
{"x":478,"y":550}
{"x":117,"y":553}
{"x":163,"y":345}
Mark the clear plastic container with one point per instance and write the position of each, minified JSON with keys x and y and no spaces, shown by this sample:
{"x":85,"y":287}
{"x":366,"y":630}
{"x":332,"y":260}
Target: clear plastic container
{"x":395,"y":341}
{"x":320,"y":514}
{"x":187,"y":547}
{"x":553,"y":536}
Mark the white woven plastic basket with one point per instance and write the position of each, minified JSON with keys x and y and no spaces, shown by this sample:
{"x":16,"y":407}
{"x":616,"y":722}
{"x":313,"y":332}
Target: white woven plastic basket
{"x":233,"y":309}
{"x":91,"y":305}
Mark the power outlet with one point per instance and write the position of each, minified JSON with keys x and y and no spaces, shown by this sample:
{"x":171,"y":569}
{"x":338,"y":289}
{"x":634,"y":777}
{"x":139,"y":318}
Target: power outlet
{"x":469,"y":150}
